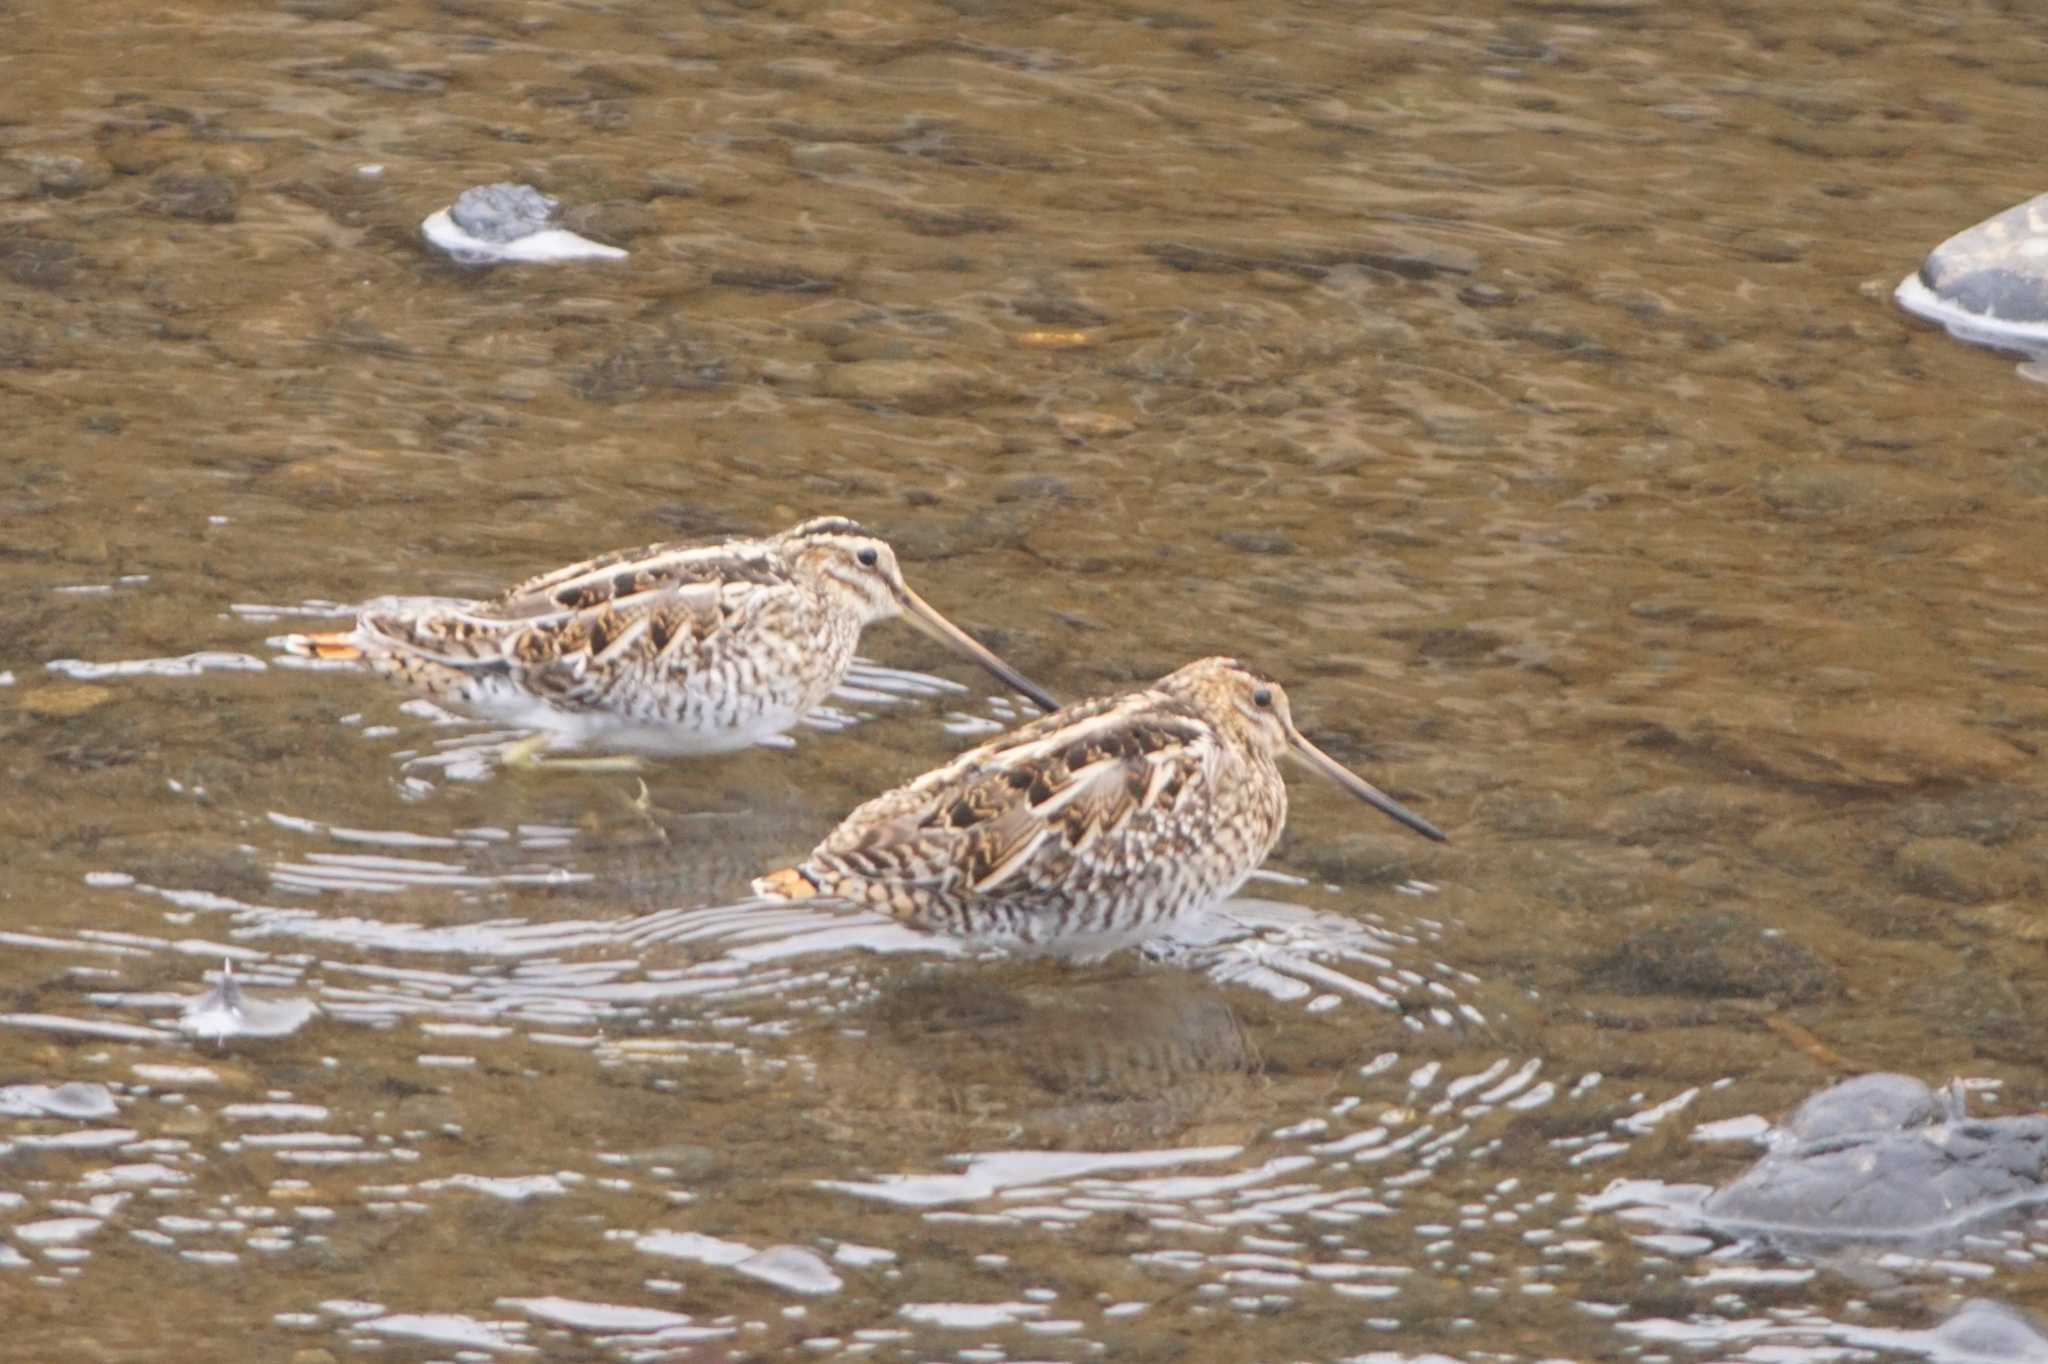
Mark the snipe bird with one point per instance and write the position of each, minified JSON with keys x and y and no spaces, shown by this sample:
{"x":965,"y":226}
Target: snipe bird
{"x":671,"y":649}
{"x":1089,"y":829}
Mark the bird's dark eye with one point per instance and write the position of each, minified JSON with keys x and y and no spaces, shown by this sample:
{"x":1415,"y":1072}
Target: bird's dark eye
{"x":1263,"y":697}
{"x":868,"y":557}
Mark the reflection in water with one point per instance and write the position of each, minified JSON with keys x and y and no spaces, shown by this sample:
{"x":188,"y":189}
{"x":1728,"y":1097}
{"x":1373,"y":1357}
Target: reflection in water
{"x":763,"y":996}
{"x":1433,"y":1187}
{"x":224,"y":1012}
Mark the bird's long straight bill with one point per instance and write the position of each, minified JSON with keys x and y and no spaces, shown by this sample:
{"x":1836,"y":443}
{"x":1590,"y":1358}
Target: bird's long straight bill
{"x":921,"y":614}
{"x":1365,"y":790}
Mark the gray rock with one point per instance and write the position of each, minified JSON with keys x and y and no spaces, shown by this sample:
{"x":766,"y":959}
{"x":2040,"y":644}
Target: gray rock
{"x":1869,"y":1103}
{"x":1882,"y":1157}
{"x":1984,"y":1330}
{"x":506,"y":223}
{"x":503,"y":212}
{"x":1989,"y":284}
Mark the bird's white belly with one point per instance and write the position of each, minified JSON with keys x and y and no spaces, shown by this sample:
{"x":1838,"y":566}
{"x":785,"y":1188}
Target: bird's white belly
{"x":606,"y":730}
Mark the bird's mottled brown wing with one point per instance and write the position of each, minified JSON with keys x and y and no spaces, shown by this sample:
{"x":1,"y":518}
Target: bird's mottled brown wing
{"x":627,"y":574}
{"x":566,"y":657}
{"x":557,"y":649}
{"x":1049,"y":789}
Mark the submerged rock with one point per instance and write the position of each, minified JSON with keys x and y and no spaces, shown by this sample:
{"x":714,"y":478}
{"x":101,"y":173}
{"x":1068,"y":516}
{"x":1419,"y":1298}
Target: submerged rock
{"x":919,"y":386}
{"x":1985,"y":1330}
{"x":506,"y":223}
{"x":1989,"y":284}
{"x":1713,"y":955}
{"x":198,"y":197}
{"x":1882,"y":1157}
{"x":60,"y":174}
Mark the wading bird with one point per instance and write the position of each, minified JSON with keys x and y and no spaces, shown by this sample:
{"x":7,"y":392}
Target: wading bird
{"x":1089,"y":829}
{"x":671,"y":649}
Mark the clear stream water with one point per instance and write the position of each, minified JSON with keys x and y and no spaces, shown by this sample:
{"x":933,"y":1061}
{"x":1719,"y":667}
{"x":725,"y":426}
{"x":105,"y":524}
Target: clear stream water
{"x":1518,"y":384}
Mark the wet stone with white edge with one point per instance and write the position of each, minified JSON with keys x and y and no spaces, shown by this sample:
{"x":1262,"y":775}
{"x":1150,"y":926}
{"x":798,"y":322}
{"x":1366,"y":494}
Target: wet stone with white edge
{"x":508,"y":224}
{"x":1988,"y":284}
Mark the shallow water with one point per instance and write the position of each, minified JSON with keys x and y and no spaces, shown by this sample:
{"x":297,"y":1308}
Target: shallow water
{"x":1519,"y":385}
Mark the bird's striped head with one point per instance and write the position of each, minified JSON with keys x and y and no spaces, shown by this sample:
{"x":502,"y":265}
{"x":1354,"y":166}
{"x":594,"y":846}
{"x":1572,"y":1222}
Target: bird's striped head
{"x":859,"y":573}
{"x":1252,"y":708}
